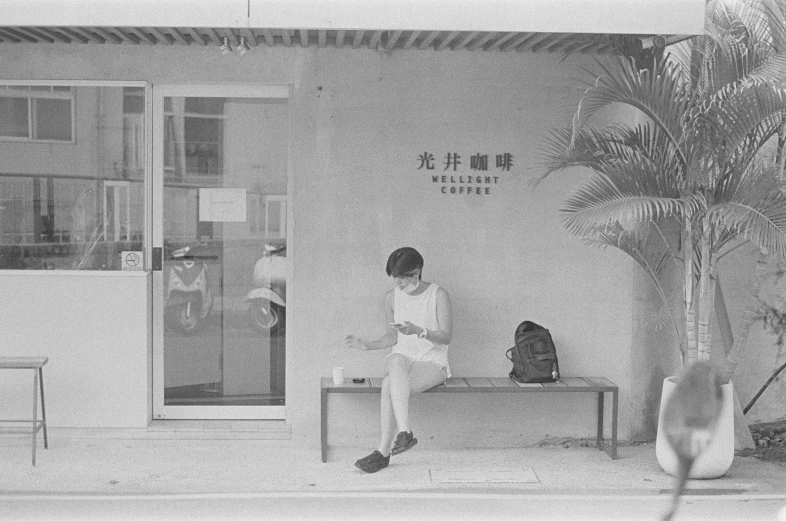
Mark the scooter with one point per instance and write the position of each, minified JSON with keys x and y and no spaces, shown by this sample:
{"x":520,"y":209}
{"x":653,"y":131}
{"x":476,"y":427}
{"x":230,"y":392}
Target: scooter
{"x":267,"y":307}
{"x":188,"y":297}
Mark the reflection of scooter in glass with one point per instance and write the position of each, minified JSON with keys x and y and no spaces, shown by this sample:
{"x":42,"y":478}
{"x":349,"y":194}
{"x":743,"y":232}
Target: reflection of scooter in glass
{"x":267,"y":307}
{"x":188,"y":298}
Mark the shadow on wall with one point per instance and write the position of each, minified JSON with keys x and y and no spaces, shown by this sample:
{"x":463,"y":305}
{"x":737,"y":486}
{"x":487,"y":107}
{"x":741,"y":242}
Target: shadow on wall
{"x":652,"y":392}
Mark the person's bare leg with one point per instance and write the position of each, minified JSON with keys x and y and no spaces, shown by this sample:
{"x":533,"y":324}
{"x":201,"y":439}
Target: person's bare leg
{"x":402,"y":380}
{"x":398,"y":379}
{"x":422,"y":376}
{"x":406,"y":379}
{"x":387,"y":419}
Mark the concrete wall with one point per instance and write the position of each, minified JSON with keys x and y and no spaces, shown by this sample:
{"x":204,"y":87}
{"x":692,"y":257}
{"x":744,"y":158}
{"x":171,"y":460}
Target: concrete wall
{"x":761,"y":355}
{"x":360,"y":121}
{"x":503,"y":257}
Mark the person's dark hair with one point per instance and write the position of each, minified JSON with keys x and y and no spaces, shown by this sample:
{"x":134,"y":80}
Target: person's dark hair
{"x":404,"y":260}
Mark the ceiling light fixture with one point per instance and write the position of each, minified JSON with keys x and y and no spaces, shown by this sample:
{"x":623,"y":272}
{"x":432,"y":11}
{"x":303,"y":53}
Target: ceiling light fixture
{"x":225,"y":47}
{"x":242,"y":49}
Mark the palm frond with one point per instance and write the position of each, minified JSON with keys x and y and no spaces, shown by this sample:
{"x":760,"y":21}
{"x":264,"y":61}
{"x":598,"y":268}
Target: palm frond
{"x":729,"y":117}
{"x":640,"y":246}
{"x":630,"y":193}
{"x":600,"y":150}
{"x":661,"y":96}
{"x":746,"y":41}
{"x":756,"y":210}
{"x":774,"y":11}
{"x":750,"y":146}
{"x":742,"y":42}
{"x":681,"y":54}
{"x":772,"y":71}
{"x":655,"y":145}
{"x":723,"y":238}
{"x":562,"y":149}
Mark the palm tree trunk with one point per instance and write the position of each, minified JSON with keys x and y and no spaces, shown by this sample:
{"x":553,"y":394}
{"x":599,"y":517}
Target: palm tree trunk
{"x":780,"y":156}
{"x":690,"y":311}
{"x":706,"y":295}
{"x":722,"y":318}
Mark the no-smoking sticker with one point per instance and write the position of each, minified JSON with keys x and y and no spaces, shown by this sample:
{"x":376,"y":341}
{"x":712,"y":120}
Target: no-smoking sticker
{"x":132,"y":261}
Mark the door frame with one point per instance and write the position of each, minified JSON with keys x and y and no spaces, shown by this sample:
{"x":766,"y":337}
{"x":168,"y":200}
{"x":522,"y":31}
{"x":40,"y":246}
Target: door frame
{"x":158,"y":92}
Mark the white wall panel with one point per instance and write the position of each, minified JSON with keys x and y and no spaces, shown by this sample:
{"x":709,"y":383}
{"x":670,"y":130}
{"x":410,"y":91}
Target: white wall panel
{"x":93,"y":328}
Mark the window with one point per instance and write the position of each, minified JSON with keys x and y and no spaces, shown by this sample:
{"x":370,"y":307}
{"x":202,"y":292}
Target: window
{"x":133,"y":132}
{"x":76,"y":207}
{"x":194,"y":140}
{"x":37,"y":113}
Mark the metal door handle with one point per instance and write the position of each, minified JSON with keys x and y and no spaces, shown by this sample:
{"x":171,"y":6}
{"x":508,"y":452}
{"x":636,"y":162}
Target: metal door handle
{"x":158,"y":259}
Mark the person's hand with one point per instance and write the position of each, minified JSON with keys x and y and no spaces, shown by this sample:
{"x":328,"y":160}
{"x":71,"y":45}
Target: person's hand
{"x":407,"y":328}
{"x":355,"y":342}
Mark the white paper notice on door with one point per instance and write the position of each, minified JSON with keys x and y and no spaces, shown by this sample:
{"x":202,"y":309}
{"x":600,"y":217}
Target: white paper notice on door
{"x":222,"y":205}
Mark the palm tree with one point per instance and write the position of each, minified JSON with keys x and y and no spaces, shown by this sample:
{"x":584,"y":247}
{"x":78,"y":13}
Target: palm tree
{"x":686,"y":182}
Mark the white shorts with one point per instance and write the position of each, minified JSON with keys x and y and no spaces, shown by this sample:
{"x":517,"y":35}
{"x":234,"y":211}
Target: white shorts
{"x":411,"y":362}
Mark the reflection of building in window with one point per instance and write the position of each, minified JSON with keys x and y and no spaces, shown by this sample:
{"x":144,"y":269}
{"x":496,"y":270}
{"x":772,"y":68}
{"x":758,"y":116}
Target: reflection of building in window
{"x":82,"y":202}
{"x":276,"y":216}
{"x":117,"y":210}
{"x":181,"y":213}
{"x":267,"y":215}
{"x":74,"y":208}
{"x":16,"y":202}
{"x":133,"y":132}
{"x":194,"y":139}
{"x":36,"y":113}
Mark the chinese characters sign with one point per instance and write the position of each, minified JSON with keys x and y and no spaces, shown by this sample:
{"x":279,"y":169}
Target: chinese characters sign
{"x":465,"y":175}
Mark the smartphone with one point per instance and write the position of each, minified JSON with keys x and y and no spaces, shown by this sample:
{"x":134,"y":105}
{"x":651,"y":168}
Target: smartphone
{"x":397,"y":324}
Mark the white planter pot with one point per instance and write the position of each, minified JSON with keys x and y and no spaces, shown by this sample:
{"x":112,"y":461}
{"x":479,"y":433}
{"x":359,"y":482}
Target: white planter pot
{"x":717,"y":458}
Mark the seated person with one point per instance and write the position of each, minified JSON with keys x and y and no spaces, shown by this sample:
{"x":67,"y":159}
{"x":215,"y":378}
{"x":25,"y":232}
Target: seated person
{"x":419,"y":331}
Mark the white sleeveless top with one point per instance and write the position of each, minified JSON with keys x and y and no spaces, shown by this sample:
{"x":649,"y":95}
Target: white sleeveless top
{"x":421,"y":310}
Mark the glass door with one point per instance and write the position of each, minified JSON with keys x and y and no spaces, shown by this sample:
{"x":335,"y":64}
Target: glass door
{"x":220,"y":200}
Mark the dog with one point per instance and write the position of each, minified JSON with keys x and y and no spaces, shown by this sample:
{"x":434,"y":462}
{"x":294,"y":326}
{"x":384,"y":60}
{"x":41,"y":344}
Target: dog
{"x":689,"y":420}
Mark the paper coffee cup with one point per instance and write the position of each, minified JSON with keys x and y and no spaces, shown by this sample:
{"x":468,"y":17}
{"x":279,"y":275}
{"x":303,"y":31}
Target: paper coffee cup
{"x":338,"y":375}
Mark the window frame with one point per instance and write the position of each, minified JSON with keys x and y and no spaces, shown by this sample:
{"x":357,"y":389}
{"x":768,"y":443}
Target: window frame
{"x":147,"y":177}
{"x":32,"y":112}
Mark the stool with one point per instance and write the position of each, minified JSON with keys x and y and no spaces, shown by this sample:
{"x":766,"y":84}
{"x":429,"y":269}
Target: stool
{"x":36,"y":363}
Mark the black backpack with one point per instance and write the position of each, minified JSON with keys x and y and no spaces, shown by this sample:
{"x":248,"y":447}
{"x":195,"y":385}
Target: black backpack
{"x":534,"y":356}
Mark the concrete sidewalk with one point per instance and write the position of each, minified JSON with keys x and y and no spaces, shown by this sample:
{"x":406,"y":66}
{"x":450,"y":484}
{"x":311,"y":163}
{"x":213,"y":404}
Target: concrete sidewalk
{"x":128,"y":466}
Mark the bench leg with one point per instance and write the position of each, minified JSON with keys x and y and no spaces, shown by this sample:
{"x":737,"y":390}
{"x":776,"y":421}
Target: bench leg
{"x":601,"y":406}
{"x":614,"y":401}
{"x":35,"y":410}
{"x":43,"y":407}
{"x":323,"y":431}
{"x":611,"y":450}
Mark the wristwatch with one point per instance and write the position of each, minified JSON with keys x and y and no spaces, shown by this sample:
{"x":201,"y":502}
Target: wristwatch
{"x":423,"y":333}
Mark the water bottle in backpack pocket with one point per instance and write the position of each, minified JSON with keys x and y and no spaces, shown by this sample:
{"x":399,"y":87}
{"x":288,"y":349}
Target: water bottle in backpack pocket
{"x":534,"y":355}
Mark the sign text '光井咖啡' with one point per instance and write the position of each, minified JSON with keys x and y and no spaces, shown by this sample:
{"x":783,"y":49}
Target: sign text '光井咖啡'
{"x":478,"y":177}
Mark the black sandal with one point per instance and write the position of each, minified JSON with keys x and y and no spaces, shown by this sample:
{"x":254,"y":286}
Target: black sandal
{"x":404,"y":442}
{"x":373,"y":462}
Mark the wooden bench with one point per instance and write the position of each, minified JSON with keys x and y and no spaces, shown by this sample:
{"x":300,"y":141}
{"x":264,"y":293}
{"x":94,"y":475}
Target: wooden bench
{"x":598,"y":385}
